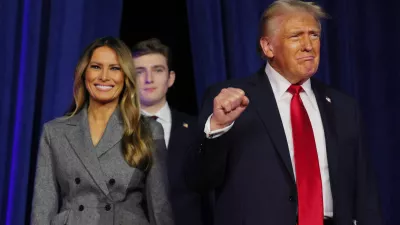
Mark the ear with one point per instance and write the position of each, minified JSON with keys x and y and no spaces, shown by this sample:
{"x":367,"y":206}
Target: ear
{"x":171,"y":78}
{"x":266,"y":47}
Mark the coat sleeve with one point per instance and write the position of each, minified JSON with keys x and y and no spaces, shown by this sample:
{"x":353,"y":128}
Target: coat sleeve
{"x":157,"y":195}
{"x":368,"y":205}
{"x":206,"y":159}
{"x":45,"y":194}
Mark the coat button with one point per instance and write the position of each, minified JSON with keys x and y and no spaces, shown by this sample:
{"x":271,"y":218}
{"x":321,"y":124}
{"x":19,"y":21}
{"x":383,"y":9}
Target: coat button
{"x":291,"y":198}
{"x":81,"y":208}
{"x":77,"y":180}
{"x":108,"y":207}
{"x":111,"y":181}
{"x":200,"y":149}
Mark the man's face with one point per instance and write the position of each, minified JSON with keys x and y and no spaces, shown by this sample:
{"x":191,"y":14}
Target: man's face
{"x":153,"y":78}
{"x":295,"y":46}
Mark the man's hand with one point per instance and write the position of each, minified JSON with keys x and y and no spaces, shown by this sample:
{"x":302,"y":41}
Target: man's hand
{"x":228,"y":105}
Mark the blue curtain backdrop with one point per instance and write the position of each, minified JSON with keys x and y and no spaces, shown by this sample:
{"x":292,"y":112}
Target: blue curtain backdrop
{"x":360,"y":46}
{"x":40,"y":42}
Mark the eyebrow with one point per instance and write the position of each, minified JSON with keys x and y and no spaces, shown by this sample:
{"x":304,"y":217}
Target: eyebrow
{"x":98,"y":63}
{"x":159,"y":66}
{"x":298,"y":31}
{"x":155,"y":66}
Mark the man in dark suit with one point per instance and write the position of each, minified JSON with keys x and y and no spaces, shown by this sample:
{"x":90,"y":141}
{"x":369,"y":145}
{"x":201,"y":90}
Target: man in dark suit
{"x":280,"y":147}
{"x":154,"y":76}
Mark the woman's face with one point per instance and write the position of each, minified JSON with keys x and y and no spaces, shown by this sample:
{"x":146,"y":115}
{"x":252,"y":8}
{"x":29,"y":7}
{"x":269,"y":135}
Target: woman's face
{"x":104,"y":78}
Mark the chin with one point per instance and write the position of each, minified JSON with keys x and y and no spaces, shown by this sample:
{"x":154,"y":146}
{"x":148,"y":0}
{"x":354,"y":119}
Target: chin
{"x":309,"y":72}
{"x":150,"y":98}
{"x":150,"y":101}
{"x":104,"y":100}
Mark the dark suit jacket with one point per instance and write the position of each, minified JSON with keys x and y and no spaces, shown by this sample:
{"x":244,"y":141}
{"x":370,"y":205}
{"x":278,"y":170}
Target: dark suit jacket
{"x":77,"y":183}
{"x":250,"y":167}
{"x":190,"y":208}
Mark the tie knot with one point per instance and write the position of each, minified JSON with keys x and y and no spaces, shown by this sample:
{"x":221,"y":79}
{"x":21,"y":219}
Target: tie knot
{"x":295,"y":89}
{"x":154,"y":117}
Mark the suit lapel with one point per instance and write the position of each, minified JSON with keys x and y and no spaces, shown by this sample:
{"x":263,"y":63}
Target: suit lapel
{"x":176,"y":122}
{"x":262,"y":97}
{"x":80,"y":140}
{"x":112,"y":134}
{"x":326,"y":109}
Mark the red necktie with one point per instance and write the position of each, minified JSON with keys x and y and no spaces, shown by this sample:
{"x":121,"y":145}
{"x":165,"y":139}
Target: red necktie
{"x":308,"y":177}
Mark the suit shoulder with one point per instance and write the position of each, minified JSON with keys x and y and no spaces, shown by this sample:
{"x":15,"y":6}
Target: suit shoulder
{"x":56,"y":123}
{"x":336,"y":95}
{"x":242,"y":83}
{"x":342,"y":97}
{"x":183,"y":116}
{"x":55,"y":127}
{"x":235,"y":82}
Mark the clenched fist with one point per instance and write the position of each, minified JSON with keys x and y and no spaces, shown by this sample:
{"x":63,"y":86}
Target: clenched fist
{"x":228,"y":105}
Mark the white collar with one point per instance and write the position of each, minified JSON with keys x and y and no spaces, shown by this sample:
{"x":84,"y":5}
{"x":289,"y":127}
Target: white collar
{"x":163,"y":114}
{"x":280,"y":85}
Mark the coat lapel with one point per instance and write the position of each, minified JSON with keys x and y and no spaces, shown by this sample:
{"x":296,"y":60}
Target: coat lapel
{"x":112,"y":134}
{"x":326,"y":109}
{"x":176,"y":123}
{"x":80,"y":140}
{"x":262,"y":97}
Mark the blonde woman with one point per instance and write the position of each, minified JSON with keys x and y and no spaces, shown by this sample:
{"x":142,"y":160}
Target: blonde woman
{"x":103,"y":163}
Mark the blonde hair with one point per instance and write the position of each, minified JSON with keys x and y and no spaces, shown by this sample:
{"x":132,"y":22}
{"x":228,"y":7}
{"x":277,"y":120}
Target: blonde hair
{"x":137,"y":139}
{"x":281,"y":7}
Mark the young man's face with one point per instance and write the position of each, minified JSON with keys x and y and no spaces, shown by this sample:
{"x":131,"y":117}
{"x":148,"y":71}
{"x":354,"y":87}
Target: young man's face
{"x":153,"y":78}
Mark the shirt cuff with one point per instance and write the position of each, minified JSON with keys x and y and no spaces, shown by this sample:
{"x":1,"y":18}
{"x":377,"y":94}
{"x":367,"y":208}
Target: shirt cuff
{"x":216,"y":133}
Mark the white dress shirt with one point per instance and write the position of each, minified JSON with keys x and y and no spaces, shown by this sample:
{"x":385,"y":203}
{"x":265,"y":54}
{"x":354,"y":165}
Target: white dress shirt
{"x":279,"y":87}
{"x":165,"y":118}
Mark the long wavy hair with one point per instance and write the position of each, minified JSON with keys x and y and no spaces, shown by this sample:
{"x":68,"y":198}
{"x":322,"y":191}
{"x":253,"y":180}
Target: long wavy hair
{"x":137,"y":139}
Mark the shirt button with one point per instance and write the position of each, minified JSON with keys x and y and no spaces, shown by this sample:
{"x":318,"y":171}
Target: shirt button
{"x":111,"y":181}
{"x":77,"y":180}
{"x":108,"y":207}
{"x":81,"y":208}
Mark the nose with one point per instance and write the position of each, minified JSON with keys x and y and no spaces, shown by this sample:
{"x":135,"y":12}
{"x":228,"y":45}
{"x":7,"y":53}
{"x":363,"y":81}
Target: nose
{"x":307,"y":44}
{"x":149,"y":77}
{"x":104,"y":75}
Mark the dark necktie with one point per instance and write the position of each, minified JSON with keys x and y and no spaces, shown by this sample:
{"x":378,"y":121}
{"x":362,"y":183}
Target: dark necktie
{"x":308,"y":176}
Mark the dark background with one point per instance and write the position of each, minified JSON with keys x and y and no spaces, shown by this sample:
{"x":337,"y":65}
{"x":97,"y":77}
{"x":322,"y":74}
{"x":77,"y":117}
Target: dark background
{"x":167,"y":21}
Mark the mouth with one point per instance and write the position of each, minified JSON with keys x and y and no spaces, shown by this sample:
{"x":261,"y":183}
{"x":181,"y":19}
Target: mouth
{"x":103,"y":87}
{"x":149,"y":89}
{"x":306,"y":58}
